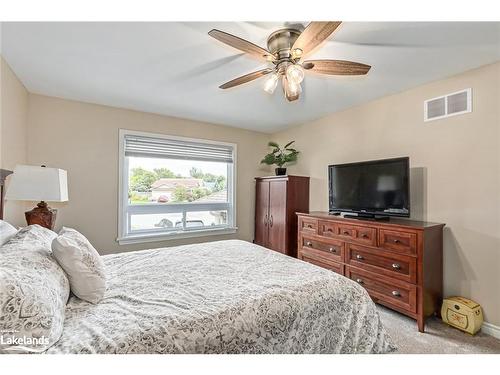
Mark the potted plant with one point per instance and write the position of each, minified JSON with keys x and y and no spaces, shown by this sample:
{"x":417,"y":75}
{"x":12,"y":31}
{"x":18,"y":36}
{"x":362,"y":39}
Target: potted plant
{"x":280,"y":156}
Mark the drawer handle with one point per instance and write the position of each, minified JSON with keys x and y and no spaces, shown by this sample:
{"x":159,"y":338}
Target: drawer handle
{"x":396,"y":241}
{"x":360,"y":257}
{"x":332,"y":250}
{"x":345,"y":232}
{"x":359,"y":281}
{"x":309,"y":226}
{"x":329,"y":230}
{"x":396,"y":266}
{"x":395,"y":293}
{"x":364,"y":235}
{"x":309,"y":243}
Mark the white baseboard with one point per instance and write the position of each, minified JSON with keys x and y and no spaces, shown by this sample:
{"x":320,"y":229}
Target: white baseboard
{"x":491,"y":329}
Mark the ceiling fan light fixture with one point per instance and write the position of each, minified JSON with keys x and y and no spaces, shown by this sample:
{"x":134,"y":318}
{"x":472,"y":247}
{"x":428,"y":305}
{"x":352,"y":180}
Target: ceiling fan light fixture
{"x":293,"y":88}
{"x":295,"y":73}
{"x":286,"y":49}
{"x":271,"y":83}
{"x":297,"y":53}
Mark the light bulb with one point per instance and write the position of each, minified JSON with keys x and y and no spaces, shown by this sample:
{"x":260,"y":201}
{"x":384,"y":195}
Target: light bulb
{"x":294,"y":73}
{"x":271,"y":83}
{"x":297,"y":53}
{"x":294,"y":88}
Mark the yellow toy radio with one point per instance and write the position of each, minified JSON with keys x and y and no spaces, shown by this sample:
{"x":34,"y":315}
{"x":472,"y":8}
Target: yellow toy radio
{"x":462,"y":313}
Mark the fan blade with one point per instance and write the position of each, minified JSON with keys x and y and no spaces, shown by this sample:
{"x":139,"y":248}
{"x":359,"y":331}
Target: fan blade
{"x":313,"y":35}
{"x":246,"y":78}
{"x":241,"y":44}
{"x":336,"y":67}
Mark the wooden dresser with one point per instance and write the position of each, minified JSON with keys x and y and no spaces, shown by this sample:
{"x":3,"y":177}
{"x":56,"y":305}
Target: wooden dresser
{"x":399,"y":262}
{"x":277,"y":199}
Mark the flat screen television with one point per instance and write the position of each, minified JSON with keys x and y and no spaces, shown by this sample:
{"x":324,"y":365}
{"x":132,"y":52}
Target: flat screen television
{"x":371,"y":189}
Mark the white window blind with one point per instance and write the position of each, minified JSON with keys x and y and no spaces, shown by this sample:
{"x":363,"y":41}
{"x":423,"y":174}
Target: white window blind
{"x":143,"y":146}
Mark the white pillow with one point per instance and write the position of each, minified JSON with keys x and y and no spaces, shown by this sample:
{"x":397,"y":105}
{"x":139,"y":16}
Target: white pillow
{"x":82,"y":263}
{"x":33,"y":293}
{"x":7,"y":231}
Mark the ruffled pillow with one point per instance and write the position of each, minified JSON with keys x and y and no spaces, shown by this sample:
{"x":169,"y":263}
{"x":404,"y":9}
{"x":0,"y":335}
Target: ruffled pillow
{"x":82,"y":263}
{"x":7,"y":231}
{"x":33,"y":292}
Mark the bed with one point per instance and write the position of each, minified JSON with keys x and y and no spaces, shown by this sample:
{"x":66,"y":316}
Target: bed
{"x":221,"y":297}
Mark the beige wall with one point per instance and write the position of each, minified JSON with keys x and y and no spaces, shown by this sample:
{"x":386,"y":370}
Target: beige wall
{"x":83,"y":139}
{"x":13,"y":130}
{"x":455,"y":170}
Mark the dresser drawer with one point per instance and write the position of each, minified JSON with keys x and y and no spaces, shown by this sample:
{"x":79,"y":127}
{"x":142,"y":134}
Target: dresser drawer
{"x":403,"y":242}
{"x":345,"y":231}
{"x":308,"y":225}
{"x":355,"y":233}
{"x":326,"y":229}
{"x":390,"y":292}
{"x":379,"y":261}
{"x":311,"y":257}
{"x":331,"y":248}
{"x":366,"y":235}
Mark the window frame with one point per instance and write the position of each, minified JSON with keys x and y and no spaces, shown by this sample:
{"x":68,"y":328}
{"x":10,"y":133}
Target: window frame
{"x":125,"y":210}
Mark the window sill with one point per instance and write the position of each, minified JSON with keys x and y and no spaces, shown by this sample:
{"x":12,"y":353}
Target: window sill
{"x":144,"y":238}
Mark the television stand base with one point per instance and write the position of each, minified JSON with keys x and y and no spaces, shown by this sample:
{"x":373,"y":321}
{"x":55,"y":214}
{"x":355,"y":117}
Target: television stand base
{"x":368,"y":217}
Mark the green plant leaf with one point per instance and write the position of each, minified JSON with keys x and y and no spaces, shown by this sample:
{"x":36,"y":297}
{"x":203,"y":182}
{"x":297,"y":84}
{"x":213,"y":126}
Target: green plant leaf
{"x":269,"y":159}
{"x":280,"y":156}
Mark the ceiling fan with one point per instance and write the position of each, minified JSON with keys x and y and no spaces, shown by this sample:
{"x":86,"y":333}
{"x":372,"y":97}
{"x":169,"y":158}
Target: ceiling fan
{"x":285,"y":50}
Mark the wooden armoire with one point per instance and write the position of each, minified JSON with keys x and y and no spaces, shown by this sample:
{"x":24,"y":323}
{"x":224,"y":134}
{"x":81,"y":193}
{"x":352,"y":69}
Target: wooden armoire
{"x":277,"y":200}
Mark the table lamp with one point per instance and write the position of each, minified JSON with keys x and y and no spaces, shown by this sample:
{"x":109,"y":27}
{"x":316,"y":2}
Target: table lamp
{"x":31,"y":183}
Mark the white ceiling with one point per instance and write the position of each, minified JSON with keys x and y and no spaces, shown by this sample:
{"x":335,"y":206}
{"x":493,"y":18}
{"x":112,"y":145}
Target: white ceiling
{"x":175,"y":68}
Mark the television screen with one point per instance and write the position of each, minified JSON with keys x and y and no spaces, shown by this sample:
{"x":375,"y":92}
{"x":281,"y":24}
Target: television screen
{"x":373,"y":187}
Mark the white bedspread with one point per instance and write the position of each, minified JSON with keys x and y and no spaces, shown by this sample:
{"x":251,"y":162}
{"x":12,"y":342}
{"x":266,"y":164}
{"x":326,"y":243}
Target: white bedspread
{"x":222,"y":297}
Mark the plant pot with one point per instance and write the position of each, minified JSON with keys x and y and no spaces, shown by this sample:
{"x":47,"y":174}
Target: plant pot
{"x":280,"y":171}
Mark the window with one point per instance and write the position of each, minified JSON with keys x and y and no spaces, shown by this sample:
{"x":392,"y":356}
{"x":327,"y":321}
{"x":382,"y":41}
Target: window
{"x":174,"y":187}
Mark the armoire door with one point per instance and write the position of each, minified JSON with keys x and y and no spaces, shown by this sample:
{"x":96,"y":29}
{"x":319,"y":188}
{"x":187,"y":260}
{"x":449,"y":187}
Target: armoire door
{"x":277,"y":216}
{"x":262,"y":213}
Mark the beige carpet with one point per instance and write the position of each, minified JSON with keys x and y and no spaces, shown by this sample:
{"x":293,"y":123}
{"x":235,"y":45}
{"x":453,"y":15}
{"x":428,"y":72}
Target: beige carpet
{"x":438,"y":338}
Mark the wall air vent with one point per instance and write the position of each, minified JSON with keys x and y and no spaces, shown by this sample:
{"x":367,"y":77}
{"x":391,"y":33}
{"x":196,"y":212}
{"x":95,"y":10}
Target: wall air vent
{"x":452,"y":104}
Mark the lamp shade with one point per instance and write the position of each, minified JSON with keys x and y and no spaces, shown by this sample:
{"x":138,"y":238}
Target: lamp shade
{"x":31,"y":183}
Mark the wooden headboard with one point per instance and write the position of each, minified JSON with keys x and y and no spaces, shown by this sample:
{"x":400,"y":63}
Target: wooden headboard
{"x":3,"y":175}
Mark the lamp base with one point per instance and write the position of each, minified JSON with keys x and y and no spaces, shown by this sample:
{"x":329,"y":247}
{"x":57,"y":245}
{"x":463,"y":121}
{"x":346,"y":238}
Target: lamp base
{"x":42,"y":215}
